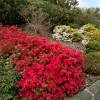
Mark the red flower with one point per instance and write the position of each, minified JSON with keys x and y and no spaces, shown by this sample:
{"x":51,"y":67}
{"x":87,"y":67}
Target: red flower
{"x":48,"y":70}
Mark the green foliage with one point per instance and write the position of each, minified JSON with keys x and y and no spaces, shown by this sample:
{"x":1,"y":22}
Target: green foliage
{"x":77,"y":37}
{"x":7,"y":79}
{"x":89,"y":27}
{"x":35,"y":20}
{"x":93,"y":34}
{"x":9,"y":11}
{"x":65,"y":3}
{"x":93,"y":63}
{"x":93,"y":46}
{"x":85,"y":16}
{"x":57,"y":15}
{"x":59,"y":12}
{"x":88,"y":35}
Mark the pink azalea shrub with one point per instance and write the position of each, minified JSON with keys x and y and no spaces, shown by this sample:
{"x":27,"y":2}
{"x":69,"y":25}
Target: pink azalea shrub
{"x":48,"y":70}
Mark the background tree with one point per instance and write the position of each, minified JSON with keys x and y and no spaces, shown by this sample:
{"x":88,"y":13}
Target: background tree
{"x":89,"y":15}
{"x":9,"y":11}
{"x":65,"y":3}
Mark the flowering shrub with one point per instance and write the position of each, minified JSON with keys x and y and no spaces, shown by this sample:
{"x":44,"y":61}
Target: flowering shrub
{"x":9,"y":38}
{"x":68,"y":34}
{"x":48,"y":70}
{"x":62,"y":33}
{"x":93,"y":34}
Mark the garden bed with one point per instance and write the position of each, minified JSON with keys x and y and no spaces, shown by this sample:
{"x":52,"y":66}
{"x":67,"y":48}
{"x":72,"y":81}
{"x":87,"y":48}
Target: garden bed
{"x":33,"y":57}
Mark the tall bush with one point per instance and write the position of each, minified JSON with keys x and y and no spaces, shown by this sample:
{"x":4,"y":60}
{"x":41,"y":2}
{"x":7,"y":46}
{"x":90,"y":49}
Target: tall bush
{"x":9,"y":11}
{"x":35,"y":20}
{"x":57,"y":15}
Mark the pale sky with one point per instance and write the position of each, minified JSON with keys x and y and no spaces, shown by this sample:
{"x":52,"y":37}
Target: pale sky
{"x":89,"y":3}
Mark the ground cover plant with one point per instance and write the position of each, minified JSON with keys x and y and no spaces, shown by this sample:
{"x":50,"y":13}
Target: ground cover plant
{"x":8,"y":88}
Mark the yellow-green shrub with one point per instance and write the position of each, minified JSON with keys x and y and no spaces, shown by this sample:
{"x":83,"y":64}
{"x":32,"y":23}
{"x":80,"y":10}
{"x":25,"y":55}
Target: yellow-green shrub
{"x":88,"y":27}
{"x":93,"y":63}
{"x":93,"y":46}
{"x":93,"y":34}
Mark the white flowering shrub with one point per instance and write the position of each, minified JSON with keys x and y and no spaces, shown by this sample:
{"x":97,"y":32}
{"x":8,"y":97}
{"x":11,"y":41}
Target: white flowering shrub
{"x":67,"y":34}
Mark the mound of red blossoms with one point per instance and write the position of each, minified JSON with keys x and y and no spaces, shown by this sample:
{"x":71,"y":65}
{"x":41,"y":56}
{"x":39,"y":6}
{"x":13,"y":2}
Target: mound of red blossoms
{"x":48,"y":70}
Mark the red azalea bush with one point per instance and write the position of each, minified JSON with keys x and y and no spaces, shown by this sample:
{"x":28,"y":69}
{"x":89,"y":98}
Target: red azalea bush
{"x":48,"y":70}
{"x":9,"y":37}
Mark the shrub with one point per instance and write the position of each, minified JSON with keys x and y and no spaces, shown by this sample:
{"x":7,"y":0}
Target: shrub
{"x":48,"y":70}
{"x":8,"y":88}
{"x":9,"y":38}
{"x":9,"y":11}
{"x":93,"y":46}
{"x":35,"y":20}
{"x":6,"y":41}
{"x":38,"y":63}
{"x":68,"y":34}
{"x":88,"y":27}
{"x":57,"y":15}
{"x":93,"y":63}
{"x":93,"y":34}
{"x":88,"y":35}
